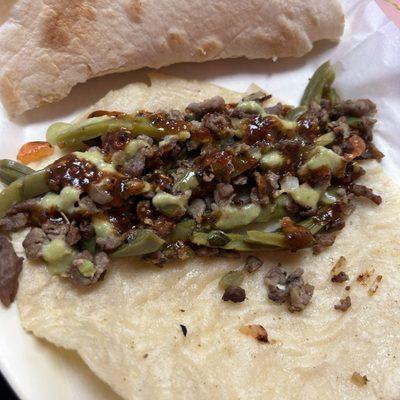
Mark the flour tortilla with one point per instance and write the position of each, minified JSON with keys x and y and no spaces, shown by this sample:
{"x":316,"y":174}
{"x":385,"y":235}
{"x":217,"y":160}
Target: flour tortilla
{"x":127,"y":329}
{"x":48,"y":46}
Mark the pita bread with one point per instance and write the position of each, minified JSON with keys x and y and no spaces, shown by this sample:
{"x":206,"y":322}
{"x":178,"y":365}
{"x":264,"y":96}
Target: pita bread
{"x":127,"y":329}
{"x":48,"y":46}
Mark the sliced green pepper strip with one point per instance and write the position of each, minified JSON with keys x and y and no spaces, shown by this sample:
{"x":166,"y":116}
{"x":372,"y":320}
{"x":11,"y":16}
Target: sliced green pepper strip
{"x":24,"y":188}
{"x":11,"y":170}
{"x":321,"y":81}
{"x":296,"y":113}
{"x":75,"y":135}
{"x":183,"y":230}
{"x":266,"y":238}
{"x":145,"y":242}
{"x":237,"y":242}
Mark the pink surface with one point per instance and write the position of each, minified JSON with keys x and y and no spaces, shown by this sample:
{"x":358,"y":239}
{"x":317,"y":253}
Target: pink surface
{"x":391,"y":8}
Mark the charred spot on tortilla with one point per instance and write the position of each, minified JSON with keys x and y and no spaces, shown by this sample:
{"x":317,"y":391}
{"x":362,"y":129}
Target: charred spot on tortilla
{"x":184,"y":329}
{"x":170,"y":185}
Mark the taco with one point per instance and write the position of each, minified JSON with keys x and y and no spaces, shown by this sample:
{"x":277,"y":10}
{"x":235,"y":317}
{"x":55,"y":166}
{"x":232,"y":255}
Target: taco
{"x":224,"y":174}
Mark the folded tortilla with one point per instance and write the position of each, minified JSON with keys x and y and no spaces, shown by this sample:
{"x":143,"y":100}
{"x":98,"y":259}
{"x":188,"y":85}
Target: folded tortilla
{"x":127,"y":328}
{"x":48,"y":46}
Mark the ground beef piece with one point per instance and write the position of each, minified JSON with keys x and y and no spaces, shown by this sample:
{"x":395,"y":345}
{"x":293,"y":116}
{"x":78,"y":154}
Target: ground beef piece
{"x":14,"y":222}
{"x":355,"y":108}
{"x":223,"y":194}
{"x":290,"y":289}
{"x":86,"y":229}
{"x":372,"y":152}
{"x":323,"y":240}
{"x":299,"y":297}
{"x":340,"y":277}
{"x":54,"y":229}
{"x":134,"y":166}
{"x":277,"y":109}
{"x":344,"y":304}
{"x":252,"y":264}
{"x":111,"y":242}
{"x":177,"y":251}
{"x":363,"y":191}
{"x":197,"y":208}
{"x":73,"y":235}
{"x":263,"y":188}
{"x":99,"y":194}
{"x":163,"y":226}
{"x":340,"y":128}
{"x":365,"y":127}
{"x":234,"y":293}
{"x":215,"y":122}
{"x":100,"y":263}
{"x":33,"y":243}
{"x":144,"y":211}
{"x":275,"y":281}
{"x":10,"y":268}
{"x":87,"y":206}
{"x":215,"y":104}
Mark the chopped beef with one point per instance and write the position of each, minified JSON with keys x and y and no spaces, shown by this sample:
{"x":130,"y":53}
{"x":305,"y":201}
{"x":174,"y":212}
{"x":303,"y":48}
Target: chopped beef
{"x":234,"y":293}
{"x":100,"y":262}
{"x":99,"y":194}
{"x":340,"y":277}
{"x":215,"y":122}
{"x":134,"y":166}
{"x":263,"y":188}
{"x":54,"y":229}
{"x":299,"y":297}
{"x":87,"y":206}
{"x":344,"y":304}
{"x":163,"y":226}
{"x":252,"y":264}
{"x":177,"y":251}
{"x":73,"y":235}
{"x":363,"y":191}
{"x":289,"y":288}
{"x":10,"y":268}
{"x":213,"y":105}
{"x":33,"y":243}
{"x":86,"y":229}
{"x":323,"y":240}
{"x":110,"y":243}
{"x":355,"y":108}
{"x":277,"y":109}
{"x":196,"y":209}
{"x":14,"y":222}
{"x":223,"y":194}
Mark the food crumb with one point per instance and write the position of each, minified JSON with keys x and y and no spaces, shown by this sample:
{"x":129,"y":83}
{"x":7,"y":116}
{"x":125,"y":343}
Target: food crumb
{"x":375,"y":285}
{"x":347,"y":288}
{"x":234,"y":293}
{"x":359,"y":379}
{"x":339,"y":265}
{"x":184,"y":329}
{"x":182,"y":310}
{"x":256,"y":331}
{"x":146,"y":355}
{"x":365,"y":277}
{"x":344,"y":304}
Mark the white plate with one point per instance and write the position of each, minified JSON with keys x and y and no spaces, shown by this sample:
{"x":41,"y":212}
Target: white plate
{"x":368,"y":65}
